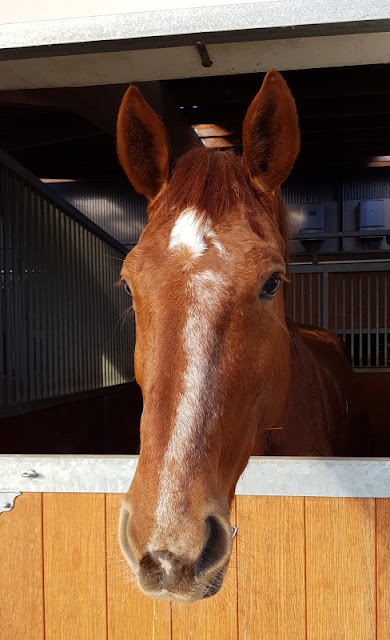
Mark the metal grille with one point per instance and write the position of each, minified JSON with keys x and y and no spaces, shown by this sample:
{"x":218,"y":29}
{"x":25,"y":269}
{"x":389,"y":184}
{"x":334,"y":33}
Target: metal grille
{"x":63,"y":322}
{"x":350,"y":298}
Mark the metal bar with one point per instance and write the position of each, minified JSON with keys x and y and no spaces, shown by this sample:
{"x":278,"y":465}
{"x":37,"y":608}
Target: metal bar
{"x":341,"y":266}
{"x":360,"y":322}
{"x":67,"y":355}
{"x":352,"y":320}
{"x":302,"y":299}
{"x":16,"y":287}
{"x":310,"y":299}
{"x":51,"y":290}
{"x":386,"y":327}
{"x":290,"y":476}
{"x":43,"y":312}
{"x":335,"y":280}
{"x":340,"y":234}
{"x":319,"y":298}
{"x":294,"y":292}
{"x":343,"y":298}
{"x":59,"y":293}
{"x":31,"y":248}
{"x":368,"y":321}
{"x":325,"y":300}
{"x":377,"y":320}
{"x":24,"y":290}
{"x":9,"y":328}
{"x":2,"y":296}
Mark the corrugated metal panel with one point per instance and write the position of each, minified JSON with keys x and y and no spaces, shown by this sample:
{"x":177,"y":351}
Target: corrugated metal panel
{"x":367,"y":184}
{"x":113,"y":206}
{"x":64,"y":326}
{"x":359,"y":184}
{"x":311,"y":189}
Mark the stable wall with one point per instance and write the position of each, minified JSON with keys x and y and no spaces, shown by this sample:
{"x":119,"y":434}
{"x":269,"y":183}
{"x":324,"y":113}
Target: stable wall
{"x":308,"y":568}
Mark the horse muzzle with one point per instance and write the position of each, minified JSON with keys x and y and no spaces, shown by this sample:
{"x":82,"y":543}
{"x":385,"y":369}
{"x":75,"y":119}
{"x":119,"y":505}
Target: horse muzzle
{"x":164,"y":574}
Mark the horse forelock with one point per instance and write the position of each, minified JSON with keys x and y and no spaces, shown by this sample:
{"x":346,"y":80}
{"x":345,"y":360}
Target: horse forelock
{"x":209,"y":181}
{"x":211,"y":185}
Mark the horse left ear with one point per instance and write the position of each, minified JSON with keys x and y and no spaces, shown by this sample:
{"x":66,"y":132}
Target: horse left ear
{"x":270,"y":134}
{"x":142,"y":144}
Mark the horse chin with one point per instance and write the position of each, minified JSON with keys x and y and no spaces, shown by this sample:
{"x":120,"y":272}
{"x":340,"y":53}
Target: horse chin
{"x":200,"y":592}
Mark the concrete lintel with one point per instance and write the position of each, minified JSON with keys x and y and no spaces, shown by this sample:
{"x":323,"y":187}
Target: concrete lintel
{"x":273,"y":19}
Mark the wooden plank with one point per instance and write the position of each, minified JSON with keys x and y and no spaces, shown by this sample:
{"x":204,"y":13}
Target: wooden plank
{"x":215,"y":617}
{"x":340,"y":568}
{"x":383,"y":567}
{"x":74,"y":566}
{"x":271,"y":568}
{"x":21,"y":575}
{"x":130,"y":613}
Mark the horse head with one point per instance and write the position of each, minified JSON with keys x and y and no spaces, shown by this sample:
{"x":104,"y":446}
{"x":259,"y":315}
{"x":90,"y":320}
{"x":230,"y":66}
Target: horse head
{"x":212,"y":347}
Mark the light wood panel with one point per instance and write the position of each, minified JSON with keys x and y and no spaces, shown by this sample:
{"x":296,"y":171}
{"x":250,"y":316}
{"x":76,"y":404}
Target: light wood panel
{"x":271,"y":568}
{"x":383,"y":567}
{"x":131,"y":615}
{"x":340,"y":568}
{"x":21,"y":588}
{"x":74,"y":570}
{"x":215,"y":617}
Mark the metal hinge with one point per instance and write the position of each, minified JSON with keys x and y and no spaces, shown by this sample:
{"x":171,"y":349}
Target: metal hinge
{"x":7,"y":500}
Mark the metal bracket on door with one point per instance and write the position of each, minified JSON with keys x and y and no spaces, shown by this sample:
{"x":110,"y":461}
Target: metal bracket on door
{"x":7,"y":500}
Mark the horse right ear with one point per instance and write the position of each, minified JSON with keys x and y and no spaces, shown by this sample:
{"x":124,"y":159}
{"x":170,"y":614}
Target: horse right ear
{"x":142,"y":144}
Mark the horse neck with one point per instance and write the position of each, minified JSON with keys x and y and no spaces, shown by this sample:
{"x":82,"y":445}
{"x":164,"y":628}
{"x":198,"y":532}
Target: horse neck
{"x":305,"y":425}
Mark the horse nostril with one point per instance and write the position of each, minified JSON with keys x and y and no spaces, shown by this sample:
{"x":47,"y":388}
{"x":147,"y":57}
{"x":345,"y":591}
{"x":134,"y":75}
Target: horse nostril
{"x":215,"y":547}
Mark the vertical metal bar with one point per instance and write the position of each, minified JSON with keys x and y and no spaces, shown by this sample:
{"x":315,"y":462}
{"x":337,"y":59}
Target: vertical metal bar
{"x":294,"y":292}
{"x":70,"y":304}
{"x":16,"y":287}
{"x":87,"y":316}
{"x":51,"y":293}
{"x":78,"y":308}
{"x":38,"y":299}
{"x":58,"y":293}
{"x":302,"y":298}
{"x":325,"y":299}
{"x":319,"y":298}
{"x":3,"y":335}
{"x":75,"y":311}
{"x":24,"y":288}
{"x":360,"y":322}
{"x":343,"y":307}
{"x":386,"y":329}
{"x":44,"y":311}
{"x":311,"y":298}
{"x":352,"y":319}
{"x":369,"y":320}
{"x":66,"y":303}
{"x":98,"y":346}
{"x":31,"y":252}
{"x":335,"y":301}
{"x":377,"y":320}
{"x":8,"y":306}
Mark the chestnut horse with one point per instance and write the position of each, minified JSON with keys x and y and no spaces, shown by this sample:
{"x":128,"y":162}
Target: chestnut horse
{"x":223,"y":373}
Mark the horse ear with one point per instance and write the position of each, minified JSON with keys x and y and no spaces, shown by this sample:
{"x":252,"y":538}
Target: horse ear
{"x":142,"y":144}
{"x":270,"y":134}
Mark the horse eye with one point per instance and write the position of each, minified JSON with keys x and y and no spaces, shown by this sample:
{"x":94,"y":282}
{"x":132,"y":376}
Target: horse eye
{"x":127,"y":288}
{"x":270,"y":288}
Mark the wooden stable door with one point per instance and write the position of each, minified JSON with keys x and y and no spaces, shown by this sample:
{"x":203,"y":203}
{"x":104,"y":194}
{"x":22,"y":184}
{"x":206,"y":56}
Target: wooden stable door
{"x":302,"y":569}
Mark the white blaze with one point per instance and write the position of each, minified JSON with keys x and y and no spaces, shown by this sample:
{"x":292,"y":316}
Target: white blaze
{"x":190,"y":231}
{"x":196,"y":410}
